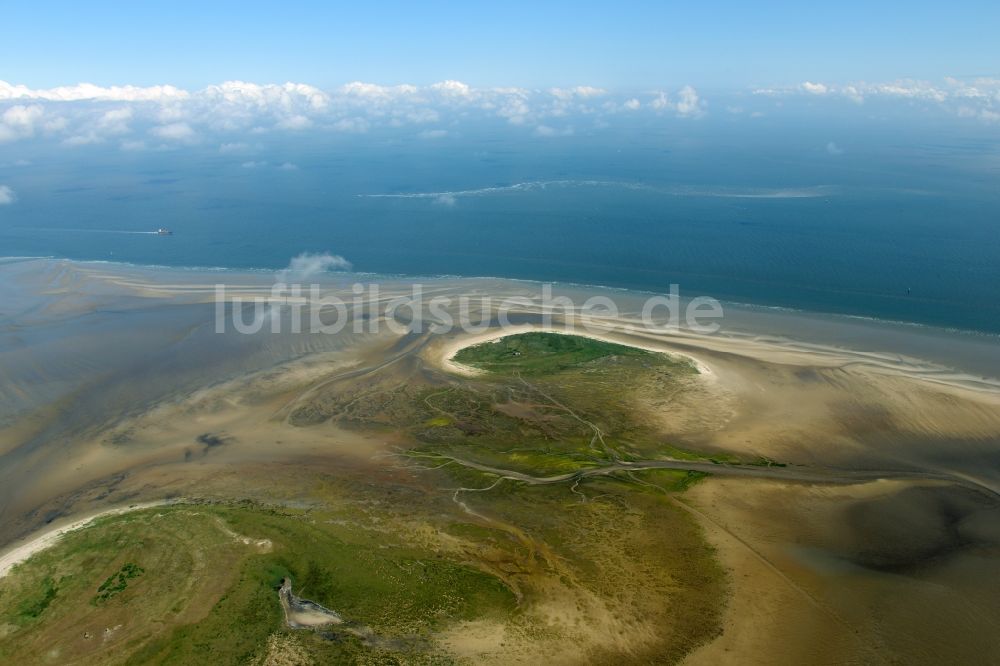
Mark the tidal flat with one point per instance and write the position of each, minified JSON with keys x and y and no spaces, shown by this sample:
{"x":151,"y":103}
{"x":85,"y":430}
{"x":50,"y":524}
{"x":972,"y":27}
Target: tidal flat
{"x":592,"y":492}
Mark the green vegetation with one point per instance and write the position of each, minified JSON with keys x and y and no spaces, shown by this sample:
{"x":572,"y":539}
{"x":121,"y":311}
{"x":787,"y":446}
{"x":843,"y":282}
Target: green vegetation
{"x":207,"y":595}
{"x":36,"y":601}
{"x":553,"y":403}
{"x":117,"y":582}
{"x":548,"y":404}
{"x":677,"y":453}
{"x":413,"y":556}
{"x":538,"y":354}
{"x":667,"y":480}
{"x":626,"y":543}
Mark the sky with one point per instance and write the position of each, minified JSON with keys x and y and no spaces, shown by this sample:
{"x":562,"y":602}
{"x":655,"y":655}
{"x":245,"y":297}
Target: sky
{"x":615,"y":45}
{"x":164,"y":76}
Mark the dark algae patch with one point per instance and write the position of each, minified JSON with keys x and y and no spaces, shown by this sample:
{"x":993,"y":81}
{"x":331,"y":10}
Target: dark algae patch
{"x":117,"y":582}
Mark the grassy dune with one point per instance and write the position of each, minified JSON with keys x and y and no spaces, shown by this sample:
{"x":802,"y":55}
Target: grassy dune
{"x":197,"y":584}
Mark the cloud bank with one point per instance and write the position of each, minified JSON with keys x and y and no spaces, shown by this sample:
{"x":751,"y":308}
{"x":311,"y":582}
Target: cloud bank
{"x":976,"y":98}
{"x":164,"y":116}
{"x":233,"y":113}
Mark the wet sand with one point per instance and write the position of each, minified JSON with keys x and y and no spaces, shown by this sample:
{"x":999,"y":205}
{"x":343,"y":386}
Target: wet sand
{"x":115,"y":390}
{"x":870,"y":573}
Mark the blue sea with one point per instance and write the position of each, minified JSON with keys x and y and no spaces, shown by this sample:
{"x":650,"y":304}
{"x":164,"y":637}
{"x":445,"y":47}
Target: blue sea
{"x":875,"y":219}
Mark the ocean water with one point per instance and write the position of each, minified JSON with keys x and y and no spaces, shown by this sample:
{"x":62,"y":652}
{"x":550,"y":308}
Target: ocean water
{"x":900,"y":222}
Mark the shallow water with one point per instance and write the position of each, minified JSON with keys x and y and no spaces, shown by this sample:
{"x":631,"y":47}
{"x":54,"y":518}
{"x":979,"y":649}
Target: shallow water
{"x":899,"y":227}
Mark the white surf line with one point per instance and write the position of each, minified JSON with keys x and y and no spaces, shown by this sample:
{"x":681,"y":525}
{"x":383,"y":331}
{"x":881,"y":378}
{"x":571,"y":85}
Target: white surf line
{"x":515,"y":187}
{"x":39,"y":542}
{"x":675,"y":191}
{"x":95,"y":231}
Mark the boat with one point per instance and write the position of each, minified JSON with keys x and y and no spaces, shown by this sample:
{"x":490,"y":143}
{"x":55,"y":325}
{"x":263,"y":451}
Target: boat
{"x":164,"y":232}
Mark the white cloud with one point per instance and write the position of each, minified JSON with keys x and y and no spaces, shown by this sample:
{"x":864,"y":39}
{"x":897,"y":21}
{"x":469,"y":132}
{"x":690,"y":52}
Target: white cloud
{"x":353,"y":125}
{"x":546,"y":131}
{"x":452,"y":88}
{"x":661,"y":102}
{"x":987,"y":115}
{"x":834,"y":149}
{"x":237,"y":147}
{"x":173,"y":132}
{"x":171,"y":113}
{"x":296,"y":122}
{"x":983,"y":90}
{"x":55,"y":124}
{"x":261,"y":164}
{"x":909,"y":89}
{"x":229,"y":111}
{"x":373,"y":90}
{"x":7,"y":196}
{"x":268,"y":96}
{"x":515,"y":110}
{"x":116,"y":121}
{"x":689,"y":103}
{"x":433,"y":134}
{"x":83,"y":139}
{"x":89,"y":91}
{"x":853,"y":94}
{"x":19,"y":122}
{"x":578,"y":91}
{"x":416,"y":116}
{"x":307,"y":265}
{"x":133,"y":145}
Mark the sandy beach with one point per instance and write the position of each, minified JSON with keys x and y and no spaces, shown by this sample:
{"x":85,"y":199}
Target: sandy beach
{"x":17,"y":553}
